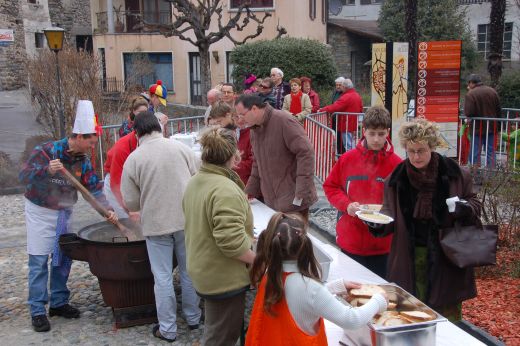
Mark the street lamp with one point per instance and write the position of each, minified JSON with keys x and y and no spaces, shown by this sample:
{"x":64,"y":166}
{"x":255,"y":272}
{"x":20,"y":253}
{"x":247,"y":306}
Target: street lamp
{"x":54,"y":36}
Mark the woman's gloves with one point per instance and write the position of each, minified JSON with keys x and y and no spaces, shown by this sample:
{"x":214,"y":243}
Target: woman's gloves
{"x":463,"y":212}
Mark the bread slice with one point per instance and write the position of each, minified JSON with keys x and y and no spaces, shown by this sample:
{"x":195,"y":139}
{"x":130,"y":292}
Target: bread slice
{"x":384,"y":316}
{"x":392,"y":305}
{"x":366,"y":291}
{"x":395,"y":321}
{"x":417,"y":316}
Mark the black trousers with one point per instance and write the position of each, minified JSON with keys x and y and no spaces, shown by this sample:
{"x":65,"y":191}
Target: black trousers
{"x":376,"y":263}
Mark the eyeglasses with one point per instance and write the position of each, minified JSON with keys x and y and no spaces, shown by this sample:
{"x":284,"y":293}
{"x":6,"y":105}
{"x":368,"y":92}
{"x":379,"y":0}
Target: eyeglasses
{"x":419,"y":152}
{"x":228,"y":92}
{"x":264,"y":86}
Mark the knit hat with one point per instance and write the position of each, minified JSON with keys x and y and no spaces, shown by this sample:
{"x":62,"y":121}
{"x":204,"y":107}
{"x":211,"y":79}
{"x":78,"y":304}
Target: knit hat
{"x":159,"y":90}
{"x":86,"y":121}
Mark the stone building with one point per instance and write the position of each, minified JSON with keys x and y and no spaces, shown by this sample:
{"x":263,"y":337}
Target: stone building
{"x":27,"y":19}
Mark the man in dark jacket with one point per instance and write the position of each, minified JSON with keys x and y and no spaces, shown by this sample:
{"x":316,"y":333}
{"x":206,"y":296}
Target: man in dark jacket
{"x":482,"y":101}
{"x":265,"y":91}
{"x":280,"y":88}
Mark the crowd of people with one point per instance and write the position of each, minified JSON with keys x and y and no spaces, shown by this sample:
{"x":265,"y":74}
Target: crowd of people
{"x":198,"y":210}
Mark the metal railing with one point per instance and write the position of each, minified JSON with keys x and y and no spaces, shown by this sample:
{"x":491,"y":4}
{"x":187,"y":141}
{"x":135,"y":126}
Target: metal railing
{"x":130,"y":21}
{"x":489,"y":142}
{"x":323,"y":140}
{"x":176,"y":125}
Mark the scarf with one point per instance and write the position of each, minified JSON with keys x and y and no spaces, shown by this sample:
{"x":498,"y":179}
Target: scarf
{"x":59,"y":260}
{"x":296,"y":103}
{"x":425,"y":184}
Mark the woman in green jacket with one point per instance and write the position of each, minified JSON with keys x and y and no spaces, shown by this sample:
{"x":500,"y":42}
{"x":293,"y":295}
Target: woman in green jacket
{"x":219,"y":235}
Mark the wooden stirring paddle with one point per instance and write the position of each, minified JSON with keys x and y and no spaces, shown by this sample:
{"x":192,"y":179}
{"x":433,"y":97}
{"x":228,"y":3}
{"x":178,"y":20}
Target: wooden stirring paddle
{"x":94,"y":202}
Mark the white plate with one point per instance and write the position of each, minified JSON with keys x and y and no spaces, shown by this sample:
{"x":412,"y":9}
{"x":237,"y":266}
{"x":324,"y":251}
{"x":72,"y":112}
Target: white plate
{"x":367,"y":217}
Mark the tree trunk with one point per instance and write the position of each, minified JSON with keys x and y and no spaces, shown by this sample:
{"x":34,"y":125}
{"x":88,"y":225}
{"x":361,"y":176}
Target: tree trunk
{"x":411,"y":34}
{"x":496,"y":40}
{"x":205,"y":72}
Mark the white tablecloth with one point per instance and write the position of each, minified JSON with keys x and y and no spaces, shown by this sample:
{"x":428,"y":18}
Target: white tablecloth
{"x":343,"y":266}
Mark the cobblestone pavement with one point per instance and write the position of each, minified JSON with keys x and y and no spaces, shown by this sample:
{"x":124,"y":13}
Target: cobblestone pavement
{"x":96,"y":325}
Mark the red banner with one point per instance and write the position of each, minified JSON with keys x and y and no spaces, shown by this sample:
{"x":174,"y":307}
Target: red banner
{"x":438,"y":80}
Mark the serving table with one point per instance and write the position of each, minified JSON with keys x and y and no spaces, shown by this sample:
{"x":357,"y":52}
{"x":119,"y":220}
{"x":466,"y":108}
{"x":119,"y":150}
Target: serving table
{"x":343,"y":266}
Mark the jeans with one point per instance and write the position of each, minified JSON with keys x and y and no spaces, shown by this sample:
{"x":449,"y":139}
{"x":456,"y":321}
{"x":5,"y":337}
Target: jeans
{"x":38,"y":277}
{"x":348,"y":140}
{"x":482,"y":141}
{"x":160,"y":252}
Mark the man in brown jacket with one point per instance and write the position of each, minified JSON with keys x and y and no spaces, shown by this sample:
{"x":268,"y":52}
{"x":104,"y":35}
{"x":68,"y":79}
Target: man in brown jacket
{"x":283,"y":165}
{"x":482,"y":101}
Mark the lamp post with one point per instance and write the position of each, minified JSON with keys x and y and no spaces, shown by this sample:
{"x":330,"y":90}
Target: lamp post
{"x":54,"y":36}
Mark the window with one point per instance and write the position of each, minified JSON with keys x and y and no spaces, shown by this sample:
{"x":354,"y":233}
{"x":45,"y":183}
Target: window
{"x":483,"y":40}
{"x":349,"y":2}
{"x":229,"y":69}
{"x":39,"y":39}
{"x":370,"y":2}
{"x":253,"y":3}
{"x":312,"y":9}
{"x":144,"y":69}
{"x":31,"y":1}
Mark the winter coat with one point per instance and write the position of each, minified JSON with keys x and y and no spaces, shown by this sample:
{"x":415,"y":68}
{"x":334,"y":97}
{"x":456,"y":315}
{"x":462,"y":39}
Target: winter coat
{"x":448,"y":284}
{"x":246,"y":155}
{"x":155,"y":176}
{"x":349,"y":102}
{"x":359,"y":176}
{"x":315,"y":100}
{"x":483,"y":102}
{"x":219,"y":228}
{"x":306,"y":106}
{"x":283,"y":165}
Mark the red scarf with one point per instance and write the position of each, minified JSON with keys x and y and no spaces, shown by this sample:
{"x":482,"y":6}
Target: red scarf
{"x":296,"y":103}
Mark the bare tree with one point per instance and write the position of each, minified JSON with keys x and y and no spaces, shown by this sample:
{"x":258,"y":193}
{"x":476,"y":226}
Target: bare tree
{"x":79,"y":81}
{"x":496,"y":40}
{"x":196,"y":16}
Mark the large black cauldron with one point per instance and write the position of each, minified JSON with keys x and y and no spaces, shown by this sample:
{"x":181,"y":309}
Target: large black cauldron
{"x":122,"y":267}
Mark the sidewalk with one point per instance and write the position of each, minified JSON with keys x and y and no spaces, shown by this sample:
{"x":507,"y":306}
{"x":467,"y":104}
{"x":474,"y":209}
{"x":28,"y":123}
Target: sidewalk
{"x":17,"y":122}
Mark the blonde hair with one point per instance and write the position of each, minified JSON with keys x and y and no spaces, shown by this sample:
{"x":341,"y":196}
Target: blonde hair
{"x":420,"y":131}
{"x":219,"y":145}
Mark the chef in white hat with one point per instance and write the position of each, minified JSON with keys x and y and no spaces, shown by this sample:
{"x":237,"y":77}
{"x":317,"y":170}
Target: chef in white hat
{"x":49,"y":199}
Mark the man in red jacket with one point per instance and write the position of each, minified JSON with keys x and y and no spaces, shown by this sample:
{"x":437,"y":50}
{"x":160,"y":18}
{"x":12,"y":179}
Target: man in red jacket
{"x":347,"y":125}
{"x":358,"y":178}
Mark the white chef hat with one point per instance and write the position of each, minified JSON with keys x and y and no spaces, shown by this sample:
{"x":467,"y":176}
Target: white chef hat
{"x":85,"y":122}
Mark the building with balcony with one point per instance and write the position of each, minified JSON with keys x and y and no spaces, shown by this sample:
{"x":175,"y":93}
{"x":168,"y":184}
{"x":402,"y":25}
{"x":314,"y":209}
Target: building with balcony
{"x":353,"y":28}
{"x":139,"y":56}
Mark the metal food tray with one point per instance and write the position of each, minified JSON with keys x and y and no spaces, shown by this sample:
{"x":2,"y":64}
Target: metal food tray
{"x":420,"y":333}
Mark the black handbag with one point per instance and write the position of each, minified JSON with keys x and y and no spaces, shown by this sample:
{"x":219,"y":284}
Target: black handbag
{"x":470,"y":246}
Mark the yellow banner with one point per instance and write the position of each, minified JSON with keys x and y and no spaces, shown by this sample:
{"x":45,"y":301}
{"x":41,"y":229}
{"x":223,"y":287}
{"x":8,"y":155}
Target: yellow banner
{"x":378,"y":84}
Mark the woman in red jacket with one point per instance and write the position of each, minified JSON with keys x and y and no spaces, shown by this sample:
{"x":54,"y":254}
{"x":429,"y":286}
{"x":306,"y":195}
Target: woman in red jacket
{"x":358,"y":178}
{"x":313,"y":95}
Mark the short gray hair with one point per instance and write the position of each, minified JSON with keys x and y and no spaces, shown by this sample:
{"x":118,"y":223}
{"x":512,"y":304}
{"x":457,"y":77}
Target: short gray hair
{"x":216,"y":92}
{"x":339,"y":80}
{"x":277,"y":71}
{"x":348,"y":83}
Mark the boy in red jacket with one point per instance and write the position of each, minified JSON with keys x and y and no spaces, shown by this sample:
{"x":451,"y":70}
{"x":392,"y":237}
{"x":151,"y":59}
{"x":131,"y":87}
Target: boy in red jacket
{"x":358,"y":178}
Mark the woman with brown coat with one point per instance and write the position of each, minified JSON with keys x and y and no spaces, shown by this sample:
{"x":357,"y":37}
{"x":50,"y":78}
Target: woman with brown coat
{"x":415,"y":197}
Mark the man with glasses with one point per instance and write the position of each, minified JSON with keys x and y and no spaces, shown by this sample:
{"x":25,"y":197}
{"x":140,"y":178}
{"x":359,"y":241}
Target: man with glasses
{"x":265,"y":91}
{"x":228,"y":94}
{"x":283,"y":157}
{"x":280,"y":88}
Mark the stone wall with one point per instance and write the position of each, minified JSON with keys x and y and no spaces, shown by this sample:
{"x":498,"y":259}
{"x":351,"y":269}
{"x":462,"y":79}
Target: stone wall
{"x":73,"y":16}
{"x":347,"y":46}
{"x":12,"y":57}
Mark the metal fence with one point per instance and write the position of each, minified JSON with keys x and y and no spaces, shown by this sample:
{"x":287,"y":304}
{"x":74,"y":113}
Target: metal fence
{"x":176,"y":125}
{"x":489,"y":142}
{"x":323,"y":140}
